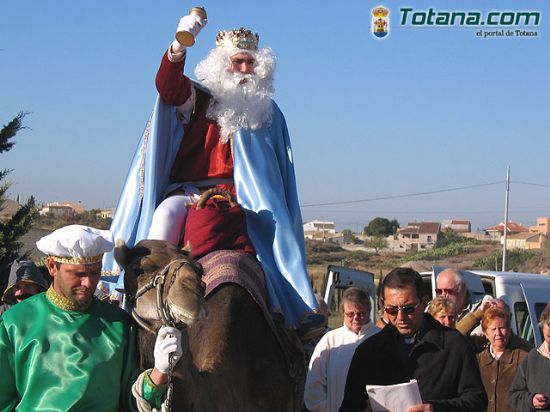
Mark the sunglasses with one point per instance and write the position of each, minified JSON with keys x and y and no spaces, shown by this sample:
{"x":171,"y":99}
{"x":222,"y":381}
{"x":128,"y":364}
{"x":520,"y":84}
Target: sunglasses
{"x":445,"y":291}
{"x":407,"y":309}
{"x":351,"y":315}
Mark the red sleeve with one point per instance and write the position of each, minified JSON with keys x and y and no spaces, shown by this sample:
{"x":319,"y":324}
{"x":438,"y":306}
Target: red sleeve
{"x":173,"y":86}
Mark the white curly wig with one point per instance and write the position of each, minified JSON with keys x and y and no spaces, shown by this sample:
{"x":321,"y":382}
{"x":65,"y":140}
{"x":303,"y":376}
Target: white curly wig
{"x":241,"y":101}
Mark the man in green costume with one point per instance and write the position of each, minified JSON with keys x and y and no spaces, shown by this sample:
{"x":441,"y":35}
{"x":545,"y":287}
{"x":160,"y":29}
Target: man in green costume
{"x":64,"y":350}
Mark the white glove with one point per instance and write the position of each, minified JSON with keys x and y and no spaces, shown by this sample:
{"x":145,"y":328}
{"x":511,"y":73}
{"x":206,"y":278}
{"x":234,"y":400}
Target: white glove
{"x":192,"y":23}
{"x":168,"y":342}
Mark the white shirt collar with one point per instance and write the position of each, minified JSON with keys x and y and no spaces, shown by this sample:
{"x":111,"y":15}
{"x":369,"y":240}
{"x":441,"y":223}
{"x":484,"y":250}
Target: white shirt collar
{"x":493,"y":354}
{"x":363,"y":330}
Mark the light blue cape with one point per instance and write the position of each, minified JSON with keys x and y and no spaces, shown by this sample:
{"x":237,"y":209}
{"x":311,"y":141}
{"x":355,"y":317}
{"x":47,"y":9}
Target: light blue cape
{"x":265,"y":184}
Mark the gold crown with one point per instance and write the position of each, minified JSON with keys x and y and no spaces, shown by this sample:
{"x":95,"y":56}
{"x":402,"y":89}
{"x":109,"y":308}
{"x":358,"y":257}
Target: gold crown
{"x":238,"y":39}
{"x":380,"y":12}
{"x":77,"y":260}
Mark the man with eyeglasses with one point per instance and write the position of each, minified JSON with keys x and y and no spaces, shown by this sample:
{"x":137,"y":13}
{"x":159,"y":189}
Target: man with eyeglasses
{"x":328,"y":368}
{"x":415,"y":346}
{"x":451,"y":284}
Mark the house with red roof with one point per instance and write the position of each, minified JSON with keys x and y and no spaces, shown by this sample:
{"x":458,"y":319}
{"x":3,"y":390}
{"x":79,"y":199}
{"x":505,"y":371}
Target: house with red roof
{"x":496,"y":232}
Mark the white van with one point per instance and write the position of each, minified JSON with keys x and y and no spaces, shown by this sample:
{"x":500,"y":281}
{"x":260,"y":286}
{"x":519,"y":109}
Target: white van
{"x":526,"y":293}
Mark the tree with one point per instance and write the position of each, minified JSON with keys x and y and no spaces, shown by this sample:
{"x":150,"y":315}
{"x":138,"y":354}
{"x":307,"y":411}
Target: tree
{"x":20,"y":223}
{"x":377,"y":243}
{"x":449,"y":236}
{"x":349,"y":237}
{"x":380,"y":226}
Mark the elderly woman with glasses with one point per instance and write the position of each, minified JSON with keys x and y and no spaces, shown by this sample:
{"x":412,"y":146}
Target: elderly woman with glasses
{"x":499,"y":362}
{"x":328,"y":367}
{"x":530,"y":388}
{"x":443,"y":310}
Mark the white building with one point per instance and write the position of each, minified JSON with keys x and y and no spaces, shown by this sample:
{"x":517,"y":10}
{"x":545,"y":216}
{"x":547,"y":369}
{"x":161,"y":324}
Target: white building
{"x":324,"y":231}
{"x":320,"y":226}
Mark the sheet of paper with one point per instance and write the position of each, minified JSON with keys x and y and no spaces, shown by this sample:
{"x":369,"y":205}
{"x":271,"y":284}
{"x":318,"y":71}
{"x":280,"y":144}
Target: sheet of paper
{"x":394,"y":398}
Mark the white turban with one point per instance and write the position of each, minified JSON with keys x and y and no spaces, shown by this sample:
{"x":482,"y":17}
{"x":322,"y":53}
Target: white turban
{"x":76,"y":244}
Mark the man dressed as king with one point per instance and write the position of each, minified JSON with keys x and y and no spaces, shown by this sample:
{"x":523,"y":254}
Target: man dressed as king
{"x":223,"y":130}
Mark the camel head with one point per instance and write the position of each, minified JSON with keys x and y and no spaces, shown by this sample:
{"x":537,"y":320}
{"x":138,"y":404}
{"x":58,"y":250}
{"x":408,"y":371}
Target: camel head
{"x":183,"y":289}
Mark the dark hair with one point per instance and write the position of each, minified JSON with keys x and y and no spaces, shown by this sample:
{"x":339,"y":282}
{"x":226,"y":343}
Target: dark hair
{"x":358,"y":296}
{"x":545,"y":316}
{"x":401,"y":278}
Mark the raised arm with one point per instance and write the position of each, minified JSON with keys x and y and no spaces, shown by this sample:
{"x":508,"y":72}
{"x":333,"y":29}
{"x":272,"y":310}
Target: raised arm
{"x":173,"y":86}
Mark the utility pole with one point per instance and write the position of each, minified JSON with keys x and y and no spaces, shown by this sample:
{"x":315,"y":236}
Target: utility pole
{"x":506,"y":199}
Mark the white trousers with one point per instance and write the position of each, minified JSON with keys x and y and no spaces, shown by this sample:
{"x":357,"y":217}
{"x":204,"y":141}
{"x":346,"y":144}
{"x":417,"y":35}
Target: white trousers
{"x":169,"y":218}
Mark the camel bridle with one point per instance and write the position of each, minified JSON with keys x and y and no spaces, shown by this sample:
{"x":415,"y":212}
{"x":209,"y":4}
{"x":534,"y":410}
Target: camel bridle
{"x":164,"y":315}
{"x":158,"y":283}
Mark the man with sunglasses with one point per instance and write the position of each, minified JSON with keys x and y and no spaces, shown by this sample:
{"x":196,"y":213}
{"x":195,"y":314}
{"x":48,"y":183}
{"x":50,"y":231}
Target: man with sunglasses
{"x":415,"y":346}
{"x":451,"y":284}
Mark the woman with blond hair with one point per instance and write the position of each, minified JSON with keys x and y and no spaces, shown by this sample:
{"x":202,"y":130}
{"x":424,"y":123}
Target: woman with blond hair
{"x":443,"y":310}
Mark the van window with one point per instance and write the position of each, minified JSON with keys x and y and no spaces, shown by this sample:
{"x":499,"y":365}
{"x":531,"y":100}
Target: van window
{"x":335,"y":319}
{"x":427,"y":283}
{"x":523,"y":322}
{"x":488,"y":286}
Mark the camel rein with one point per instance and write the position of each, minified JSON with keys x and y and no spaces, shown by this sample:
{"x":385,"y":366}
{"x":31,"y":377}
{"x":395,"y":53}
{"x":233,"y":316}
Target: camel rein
{"x":164,"y":314}
{"x":158,"y":283}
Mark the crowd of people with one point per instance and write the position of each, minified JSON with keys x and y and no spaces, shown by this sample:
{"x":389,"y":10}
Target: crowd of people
{"x":435,"y":343}
{"x":456,"y":370}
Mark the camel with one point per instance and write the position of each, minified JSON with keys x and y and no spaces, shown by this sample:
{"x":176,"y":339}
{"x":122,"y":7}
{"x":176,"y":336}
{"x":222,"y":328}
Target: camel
{"x":232,"y":360}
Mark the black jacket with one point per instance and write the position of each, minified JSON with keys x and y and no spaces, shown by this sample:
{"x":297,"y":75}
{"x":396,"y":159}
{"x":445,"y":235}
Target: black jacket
{"x":441,"y":361}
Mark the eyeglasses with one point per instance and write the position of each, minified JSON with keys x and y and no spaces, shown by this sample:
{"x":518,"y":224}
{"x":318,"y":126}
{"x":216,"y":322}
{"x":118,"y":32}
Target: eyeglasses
{"x":351,"y":315}
{"x":444,"y":291}
{"x":407,"y":309}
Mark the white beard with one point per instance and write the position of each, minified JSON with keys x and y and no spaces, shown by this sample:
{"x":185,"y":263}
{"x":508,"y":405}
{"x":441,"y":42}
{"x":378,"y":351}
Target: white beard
{"x":241,"y":101}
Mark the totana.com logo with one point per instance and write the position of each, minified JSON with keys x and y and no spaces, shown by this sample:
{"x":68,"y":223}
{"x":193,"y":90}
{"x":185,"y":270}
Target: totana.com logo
{"x":380,"y":22}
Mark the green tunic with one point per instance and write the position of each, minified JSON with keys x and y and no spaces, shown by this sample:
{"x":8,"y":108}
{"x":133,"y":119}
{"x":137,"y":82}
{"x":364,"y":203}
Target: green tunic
{"x":52,"y":359}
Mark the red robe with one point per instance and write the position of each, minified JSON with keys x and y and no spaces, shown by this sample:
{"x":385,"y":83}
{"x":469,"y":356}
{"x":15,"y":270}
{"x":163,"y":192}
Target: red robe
{"x":201,"y":154}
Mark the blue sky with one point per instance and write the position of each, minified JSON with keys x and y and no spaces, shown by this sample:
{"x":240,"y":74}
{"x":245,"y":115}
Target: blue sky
{"x":422,"y":110}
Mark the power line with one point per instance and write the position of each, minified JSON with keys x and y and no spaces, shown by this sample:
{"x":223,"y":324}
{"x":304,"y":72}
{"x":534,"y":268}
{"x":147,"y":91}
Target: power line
{"x":453,"y":189}
{"x":529,"y":184}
